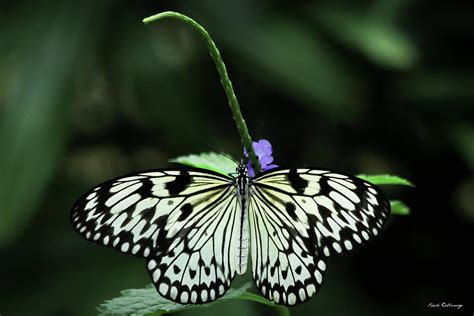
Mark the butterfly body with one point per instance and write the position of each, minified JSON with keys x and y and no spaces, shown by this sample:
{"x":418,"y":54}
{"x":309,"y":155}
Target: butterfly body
{"x":243,"y":184}
{"x":197,"y":228}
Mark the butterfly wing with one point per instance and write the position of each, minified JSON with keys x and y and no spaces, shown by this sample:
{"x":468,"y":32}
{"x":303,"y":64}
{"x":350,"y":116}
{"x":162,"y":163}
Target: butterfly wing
{"x":305,"y":215}
{"x":286,"y":265}
{"x":201,"y":259}
{"x":182,"y":221}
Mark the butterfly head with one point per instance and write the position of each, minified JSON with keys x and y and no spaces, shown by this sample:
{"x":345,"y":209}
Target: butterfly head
{"x":241,"y":169}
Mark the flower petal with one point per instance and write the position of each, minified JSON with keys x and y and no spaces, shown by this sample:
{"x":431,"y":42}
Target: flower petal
{"x":263,"y":151}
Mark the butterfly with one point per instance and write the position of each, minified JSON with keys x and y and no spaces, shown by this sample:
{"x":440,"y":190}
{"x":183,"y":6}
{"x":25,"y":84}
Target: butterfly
{"x":196,"y":228}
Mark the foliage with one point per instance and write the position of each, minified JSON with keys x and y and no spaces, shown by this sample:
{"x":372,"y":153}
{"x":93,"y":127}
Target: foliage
{"x":211,"y":161}
{"x":147,"y":301}
{"x":385,"y":179}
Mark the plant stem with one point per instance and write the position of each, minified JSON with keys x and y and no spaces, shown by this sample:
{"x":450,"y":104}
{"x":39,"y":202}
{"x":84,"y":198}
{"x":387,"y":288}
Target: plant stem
{"x":226,"y":83}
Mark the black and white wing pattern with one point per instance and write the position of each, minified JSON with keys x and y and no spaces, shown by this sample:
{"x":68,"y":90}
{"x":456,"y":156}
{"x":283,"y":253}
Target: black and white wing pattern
{"x":298,"y":217}
{"x":182,"y":221}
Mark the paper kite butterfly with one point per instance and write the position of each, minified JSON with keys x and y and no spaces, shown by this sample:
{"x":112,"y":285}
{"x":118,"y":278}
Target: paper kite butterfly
{"x":196,"y":228}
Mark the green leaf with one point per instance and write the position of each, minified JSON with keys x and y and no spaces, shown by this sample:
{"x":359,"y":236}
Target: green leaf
{"x":147,"y":301}
{"x":210,"y":161}
{"x":385,"y":179}
{"x":399,"y":208}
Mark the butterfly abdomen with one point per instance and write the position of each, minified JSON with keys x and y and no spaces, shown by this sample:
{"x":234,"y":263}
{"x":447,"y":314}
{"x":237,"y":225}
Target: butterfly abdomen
{"x":243,"y":249}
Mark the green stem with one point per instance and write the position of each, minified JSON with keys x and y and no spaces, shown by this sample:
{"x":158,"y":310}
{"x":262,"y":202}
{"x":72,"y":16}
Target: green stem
{"x":226,"y":83}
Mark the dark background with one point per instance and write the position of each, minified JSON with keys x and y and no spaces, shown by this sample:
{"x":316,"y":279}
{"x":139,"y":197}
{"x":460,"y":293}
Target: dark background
{"x":87,"y":93}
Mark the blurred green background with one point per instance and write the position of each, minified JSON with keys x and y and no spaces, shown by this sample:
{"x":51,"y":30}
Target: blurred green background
{"x":87,"y":93}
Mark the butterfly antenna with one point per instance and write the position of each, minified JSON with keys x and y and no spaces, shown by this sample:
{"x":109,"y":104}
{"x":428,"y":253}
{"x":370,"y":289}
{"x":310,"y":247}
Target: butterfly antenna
{"x":221,"y":153}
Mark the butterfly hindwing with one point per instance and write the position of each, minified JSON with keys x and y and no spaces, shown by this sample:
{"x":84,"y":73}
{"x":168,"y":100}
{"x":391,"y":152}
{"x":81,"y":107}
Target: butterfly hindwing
{"x":200,"y":261}
{"x":286,"y":266}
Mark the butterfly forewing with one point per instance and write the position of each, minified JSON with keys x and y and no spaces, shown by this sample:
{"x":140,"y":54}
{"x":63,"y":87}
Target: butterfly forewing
{"x":342,"y":212}
{"x":130,"y":213}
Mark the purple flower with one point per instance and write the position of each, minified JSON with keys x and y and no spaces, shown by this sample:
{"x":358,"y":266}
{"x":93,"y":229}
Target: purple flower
{"x":263,"y":150}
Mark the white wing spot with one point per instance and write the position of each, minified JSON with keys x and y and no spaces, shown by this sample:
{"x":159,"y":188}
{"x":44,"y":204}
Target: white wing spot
{"x":322,"y":265}
{"x":357,"y":238}
{"x":151,"y":264}
{"x":365,"y":235}
{"x":124,"y":247}
{"x":337,"y":247}
{"x":348,"y":245}
{"x":310,"y":289}
{"x":291,"y":299}
{"x":193,"y":296}
{"x":173,"y":292}
{"x":163,"y":288}
{"x":302,"y":294}
{"x":156,"y":275}
{"x":204,"y":295}
{"x":184,"y":297}
{"x":319,"y":277}
{"x":135,"y":249}
{"x":276,"y":296}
